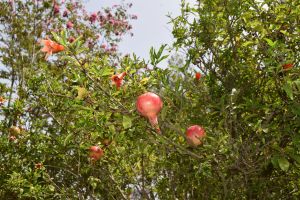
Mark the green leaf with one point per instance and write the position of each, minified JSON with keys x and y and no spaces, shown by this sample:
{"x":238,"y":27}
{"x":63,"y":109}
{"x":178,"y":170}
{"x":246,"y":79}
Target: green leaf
{"x":157,"y":57}
{"x":106,"y":72}
{"x":163,"y":57}
{"x":51,"y":188}
{"x":296,"y":109}
{"x":70,"y":59}
{"x":163,"y":113}
{"x":67,"y":139}
{"x":296,"y":158}
{"x":127,"y":122}
{"x":144,"y":81}
{"x":161,"y":49}
{"x":65,"y":37}
{"x":274,"y":161}
{"x":152,"y":55}
{"x":76,"y":44}
{"x":283,"y":163}
{"x":82,"y":93}
{"x":58,"y":39}
{"x":289,"y":91}
{"x":297,"y":83}
{"x":247,"y":43}
{"x":270,"y":42}
{"x":112,"y":129}
{"x":284,"y":32}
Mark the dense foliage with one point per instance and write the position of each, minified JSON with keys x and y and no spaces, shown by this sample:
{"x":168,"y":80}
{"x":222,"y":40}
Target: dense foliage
{"x":247,"y":98}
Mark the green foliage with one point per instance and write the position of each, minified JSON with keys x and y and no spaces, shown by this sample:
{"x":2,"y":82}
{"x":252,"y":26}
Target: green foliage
{"x":242,"y":47}
{"x":157,"y":57}
{"x":248,"y":103}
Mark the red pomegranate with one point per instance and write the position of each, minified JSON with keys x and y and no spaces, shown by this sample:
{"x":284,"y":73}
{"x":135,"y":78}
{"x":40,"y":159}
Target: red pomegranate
{"x":149,"y":105}
{"x":194,"y":135}
{"x":96,"y":152}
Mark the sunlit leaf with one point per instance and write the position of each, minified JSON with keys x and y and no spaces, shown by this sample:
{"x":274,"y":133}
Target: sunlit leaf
{"x":127,"y":122}
{"x":82,"y":93}
{"x":283,"y":163}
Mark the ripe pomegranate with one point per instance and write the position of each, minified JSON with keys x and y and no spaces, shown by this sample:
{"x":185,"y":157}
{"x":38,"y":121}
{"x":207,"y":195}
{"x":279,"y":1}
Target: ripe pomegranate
{"x":14,"y":130}
{"x":197,"y":75}
{"x":96,"y":152}
{"x":194,"y":135}
{"x":149,"y":105}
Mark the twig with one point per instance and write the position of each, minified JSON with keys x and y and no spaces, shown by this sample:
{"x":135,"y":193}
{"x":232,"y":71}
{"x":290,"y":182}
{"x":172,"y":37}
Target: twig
{"x":63,"y":169}
{"x":120,"y":190}
{"x":162,"y":137}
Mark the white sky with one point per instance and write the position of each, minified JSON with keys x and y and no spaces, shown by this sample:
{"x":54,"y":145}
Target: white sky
{"x":150,"y":29}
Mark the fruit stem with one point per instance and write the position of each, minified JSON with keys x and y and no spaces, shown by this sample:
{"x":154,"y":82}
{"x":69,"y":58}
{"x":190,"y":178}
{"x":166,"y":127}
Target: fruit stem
{"x":154,"y":122}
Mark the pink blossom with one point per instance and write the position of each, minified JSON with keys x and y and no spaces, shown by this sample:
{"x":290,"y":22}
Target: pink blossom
{"x":111,"y":21}
{"x":71,"y":39}
{"x":56,"y":9}
{"x":65,"y":13}
{"x":69,"y":25}
{"x":103,"y":46}
{"x":101,"y":18}
{"x":93,"y":17}
{"x":98,"y":36}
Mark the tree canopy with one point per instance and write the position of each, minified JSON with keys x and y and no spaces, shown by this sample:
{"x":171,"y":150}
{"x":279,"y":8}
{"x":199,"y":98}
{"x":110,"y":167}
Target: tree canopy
{"x":70,"y":127}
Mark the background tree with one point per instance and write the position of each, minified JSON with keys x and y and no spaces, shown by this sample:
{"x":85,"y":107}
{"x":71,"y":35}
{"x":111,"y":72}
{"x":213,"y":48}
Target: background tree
{"x":32,"y":164}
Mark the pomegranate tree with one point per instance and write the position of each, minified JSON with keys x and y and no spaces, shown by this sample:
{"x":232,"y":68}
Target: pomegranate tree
{"x":195,"y":134}
{"x":149,"y":105}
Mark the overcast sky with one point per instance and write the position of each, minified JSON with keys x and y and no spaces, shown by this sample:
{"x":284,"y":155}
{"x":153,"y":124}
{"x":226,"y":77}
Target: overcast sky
{"x":151,"y":28}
